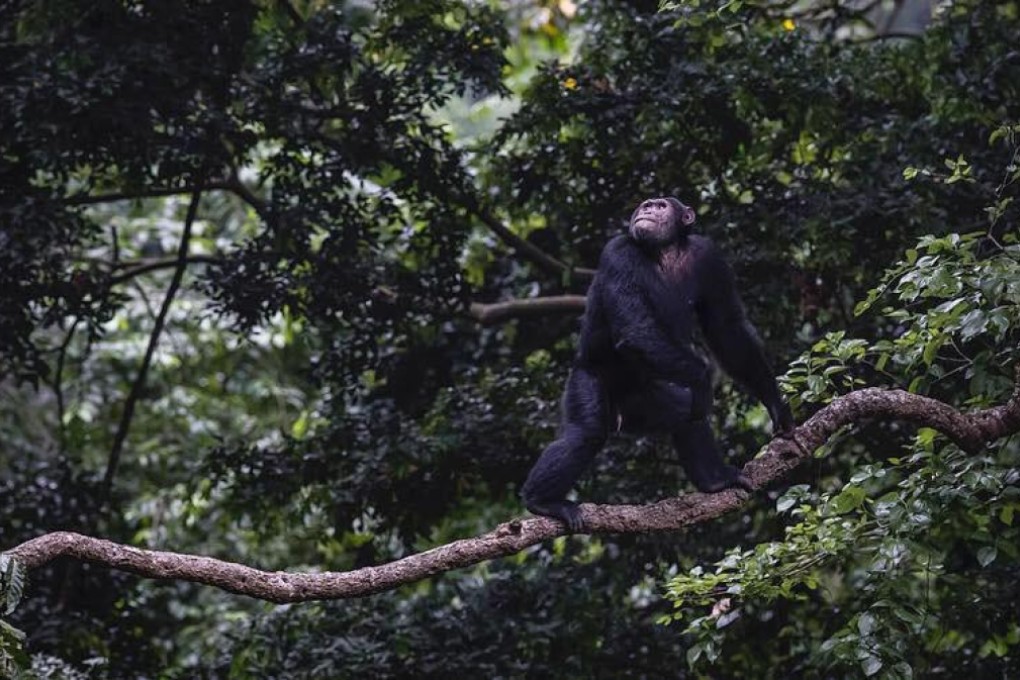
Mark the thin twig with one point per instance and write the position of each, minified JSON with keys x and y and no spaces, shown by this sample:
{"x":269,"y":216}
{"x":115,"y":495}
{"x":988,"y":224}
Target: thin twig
{"x":139,"y":384}
{"x":58,"y":382}
{"x":147,"y":192}
{"x":161,"y":263}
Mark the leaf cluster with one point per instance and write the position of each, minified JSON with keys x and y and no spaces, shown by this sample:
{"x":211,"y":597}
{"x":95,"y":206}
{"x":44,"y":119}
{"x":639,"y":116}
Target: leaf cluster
{"x":895,"y":549}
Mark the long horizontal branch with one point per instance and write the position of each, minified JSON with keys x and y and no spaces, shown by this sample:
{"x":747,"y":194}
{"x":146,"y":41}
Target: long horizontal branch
{"x":484,"y":313}
{"x":497,"y":312}
{"x":971,"y":431}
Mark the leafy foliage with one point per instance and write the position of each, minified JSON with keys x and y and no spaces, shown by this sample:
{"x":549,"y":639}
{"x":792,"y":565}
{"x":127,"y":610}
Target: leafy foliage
{"x":465,"y":627}
{"x":12,"y":588}
{"x":321,"y":397}
{"x":892,"y":549}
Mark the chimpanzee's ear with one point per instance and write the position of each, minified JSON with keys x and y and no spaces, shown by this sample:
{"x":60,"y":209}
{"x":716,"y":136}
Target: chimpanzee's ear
{"x":685,"y":213}
{"x":687,"y":216}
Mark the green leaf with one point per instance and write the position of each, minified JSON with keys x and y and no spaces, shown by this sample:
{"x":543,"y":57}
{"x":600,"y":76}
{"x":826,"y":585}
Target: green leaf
{"x":871,"y":665}
{"x":883,"y":359}
{"x":865,"y":624}
{"x":727,"y":618}
{"x":973,"y":323}
{"x":932,"y":348}
{"x":986,"y":555}
{"x":903,"y":670}
{"x":908,"y":616}
{"x":850,"y":498}
{"x":12,"y":583}
{"x":300,"y":427}
{"x":693,"y":654}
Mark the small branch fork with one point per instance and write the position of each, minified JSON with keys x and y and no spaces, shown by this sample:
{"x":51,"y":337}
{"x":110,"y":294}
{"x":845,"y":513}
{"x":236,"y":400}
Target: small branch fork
{"x":971,"y":431}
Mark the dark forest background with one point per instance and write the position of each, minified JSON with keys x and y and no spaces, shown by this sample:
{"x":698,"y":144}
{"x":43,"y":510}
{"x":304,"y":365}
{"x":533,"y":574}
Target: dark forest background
{"x":244,"y":247}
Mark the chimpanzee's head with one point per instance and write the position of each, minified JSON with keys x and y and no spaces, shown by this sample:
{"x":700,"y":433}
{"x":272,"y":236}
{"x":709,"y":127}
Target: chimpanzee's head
{"x":659,"y":221}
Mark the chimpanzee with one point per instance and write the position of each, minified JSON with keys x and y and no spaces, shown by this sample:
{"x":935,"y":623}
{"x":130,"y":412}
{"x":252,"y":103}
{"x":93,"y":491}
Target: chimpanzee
{"x":636,"y":369}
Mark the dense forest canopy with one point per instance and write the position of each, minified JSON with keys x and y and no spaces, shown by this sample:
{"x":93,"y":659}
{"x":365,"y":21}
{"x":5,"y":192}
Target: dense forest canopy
{"x":296,"y":285}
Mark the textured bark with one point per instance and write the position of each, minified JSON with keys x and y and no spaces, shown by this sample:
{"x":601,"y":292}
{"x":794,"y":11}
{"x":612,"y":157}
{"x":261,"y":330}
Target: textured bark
{"x":497,"y":312}
{"x":970,"y":431}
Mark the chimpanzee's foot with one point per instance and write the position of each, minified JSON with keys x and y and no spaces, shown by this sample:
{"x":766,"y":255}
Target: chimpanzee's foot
{"x":567,"y":512}
{"x":744,"y":482}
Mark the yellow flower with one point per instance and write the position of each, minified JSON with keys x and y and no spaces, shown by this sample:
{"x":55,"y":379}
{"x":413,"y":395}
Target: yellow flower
{"x":789,"y":25}
{"x":570,"y":83}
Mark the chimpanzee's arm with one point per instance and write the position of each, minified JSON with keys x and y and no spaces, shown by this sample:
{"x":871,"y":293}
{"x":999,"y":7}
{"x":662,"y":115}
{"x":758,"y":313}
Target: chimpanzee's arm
{"x":636,"y":330}
{"x":732,"y":338}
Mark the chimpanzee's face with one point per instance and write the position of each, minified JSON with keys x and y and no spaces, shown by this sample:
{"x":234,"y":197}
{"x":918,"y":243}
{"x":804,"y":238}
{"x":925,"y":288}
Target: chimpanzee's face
{"x":659,"y":221}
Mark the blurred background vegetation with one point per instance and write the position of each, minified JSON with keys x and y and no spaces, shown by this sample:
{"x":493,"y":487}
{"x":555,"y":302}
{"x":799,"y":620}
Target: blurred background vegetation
{"x":239,"y":244}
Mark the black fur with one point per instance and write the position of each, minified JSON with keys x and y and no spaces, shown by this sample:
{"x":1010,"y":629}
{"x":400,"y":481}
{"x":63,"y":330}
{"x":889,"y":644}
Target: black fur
{"x":636,"y":369}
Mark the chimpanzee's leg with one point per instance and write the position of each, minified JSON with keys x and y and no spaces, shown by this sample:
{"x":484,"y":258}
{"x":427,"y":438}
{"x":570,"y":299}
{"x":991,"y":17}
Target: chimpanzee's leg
{"x":699,"y":454}
{"x":584,"y":431}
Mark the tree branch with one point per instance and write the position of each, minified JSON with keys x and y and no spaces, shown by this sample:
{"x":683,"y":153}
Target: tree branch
{"x":241,"y":190}
{"x":971,"y":431}
{"x":146,"y":266}
{"x":523,"y":247}
{"x":58,"y":382}
{"x":527,"y":249}
{"x":232,"y":184}
{"x":497,"y":312}
{"x":136,"y":387}
{"x":148,"y":192}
